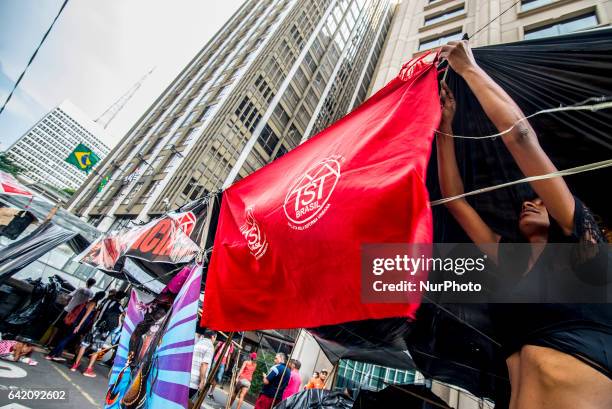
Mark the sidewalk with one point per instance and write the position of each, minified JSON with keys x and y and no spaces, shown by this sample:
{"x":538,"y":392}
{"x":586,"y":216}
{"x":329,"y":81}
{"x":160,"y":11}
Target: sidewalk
{"x":220,"y":400}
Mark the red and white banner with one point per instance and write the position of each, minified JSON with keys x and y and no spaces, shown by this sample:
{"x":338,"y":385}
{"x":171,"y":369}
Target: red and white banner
{"x":165,"y":240}
{"x":11,"y":186}
{"x":287,"y":249}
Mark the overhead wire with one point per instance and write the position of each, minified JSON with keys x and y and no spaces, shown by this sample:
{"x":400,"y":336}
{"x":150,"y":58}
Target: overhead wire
{"x":492,"y":20}
{"x":602,"y":103}
{"x":10,"y":95}
{"x":566,"y":172}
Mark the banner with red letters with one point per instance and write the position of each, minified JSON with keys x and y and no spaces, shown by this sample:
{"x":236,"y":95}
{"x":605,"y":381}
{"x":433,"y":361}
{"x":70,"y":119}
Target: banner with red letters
{"x":287,"y":252}
{"x":170,"y":239}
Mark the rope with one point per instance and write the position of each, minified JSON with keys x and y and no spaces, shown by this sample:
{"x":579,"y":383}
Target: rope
{"x":566,"y":172}
{"x":8,"y":98}
{"x":603,"y":103}
{"x":498,"y":16}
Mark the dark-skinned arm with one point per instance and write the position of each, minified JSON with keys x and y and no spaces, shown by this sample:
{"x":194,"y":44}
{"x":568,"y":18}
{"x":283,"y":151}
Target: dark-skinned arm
{"x":452,"y":185}
{"x":521,"y":140}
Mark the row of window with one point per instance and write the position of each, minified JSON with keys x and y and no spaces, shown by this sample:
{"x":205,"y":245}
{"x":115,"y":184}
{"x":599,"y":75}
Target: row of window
{"x":573,"y":24}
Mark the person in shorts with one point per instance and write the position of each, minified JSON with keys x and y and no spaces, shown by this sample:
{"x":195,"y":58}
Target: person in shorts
{"x":245,"y":375}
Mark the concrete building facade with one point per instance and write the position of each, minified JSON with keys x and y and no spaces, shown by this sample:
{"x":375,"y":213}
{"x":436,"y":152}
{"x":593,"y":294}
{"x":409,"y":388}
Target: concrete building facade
{"x":43,"y":149}
{"x":278,"y":72}
{"x":419,"y":25}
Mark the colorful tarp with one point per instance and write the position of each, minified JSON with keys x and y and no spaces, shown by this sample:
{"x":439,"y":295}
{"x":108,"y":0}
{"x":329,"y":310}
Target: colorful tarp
{"x":170,"y":240}
{"x":162,"y":367}
{"x":120,"y":374}
{"x":287,"y":250}
{"x":169,"y":384}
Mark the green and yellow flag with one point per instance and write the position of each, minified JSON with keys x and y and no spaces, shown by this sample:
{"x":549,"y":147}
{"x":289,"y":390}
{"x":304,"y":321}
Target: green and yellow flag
{"x":103,"y":183}
{"x":83,"y":158}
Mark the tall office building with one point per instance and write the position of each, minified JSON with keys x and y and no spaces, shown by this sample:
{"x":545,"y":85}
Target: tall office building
{"x":278,"y":72}
{"x":420,"y":25}
{"x":43,"y":149}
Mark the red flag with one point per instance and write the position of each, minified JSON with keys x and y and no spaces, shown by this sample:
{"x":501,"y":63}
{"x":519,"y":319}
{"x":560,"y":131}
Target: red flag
{"x":287,"y":248}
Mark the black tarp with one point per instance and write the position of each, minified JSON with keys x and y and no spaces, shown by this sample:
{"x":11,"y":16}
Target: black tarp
{"x":316,"y":399}
{"x":399,"y":396}
{"x":22,"y":252}
{"x":453,"y":343}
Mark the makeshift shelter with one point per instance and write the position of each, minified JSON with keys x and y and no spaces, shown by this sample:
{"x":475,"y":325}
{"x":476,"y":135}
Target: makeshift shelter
{"x":62,"y":227}
{"x":451,"y":343}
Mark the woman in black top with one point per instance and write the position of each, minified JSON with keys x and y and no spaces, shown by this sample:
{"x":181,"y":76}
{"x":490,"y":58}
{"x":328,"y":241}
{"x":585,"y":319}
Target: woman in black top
{"x":558,"y":355}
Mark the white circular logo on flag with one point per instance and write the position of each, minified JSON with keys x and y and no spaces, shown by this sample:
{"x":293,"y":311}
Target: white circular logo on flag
{"x":307,"y":200}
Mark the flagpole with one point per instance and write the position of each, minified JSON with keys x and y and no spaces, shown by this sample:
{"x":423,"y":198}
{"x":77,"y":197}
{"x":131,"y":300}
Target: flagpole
{"x":228,"y":402}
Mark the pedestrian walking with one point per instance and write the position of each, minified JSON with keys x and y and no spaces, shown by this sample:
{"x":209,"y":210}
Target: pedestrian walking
{"x":295,"y":381}
{"x":203,"y":352}
{"x":81,"y":326}
{"x":244,"y":378}
{"x":274,"y":383}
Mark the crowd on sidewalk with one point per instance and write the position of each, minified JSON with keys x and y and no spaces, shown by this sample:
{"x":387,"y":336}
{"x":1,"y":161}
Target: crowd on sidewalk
{"x":90,"y":326}
{"x":279,"y":382}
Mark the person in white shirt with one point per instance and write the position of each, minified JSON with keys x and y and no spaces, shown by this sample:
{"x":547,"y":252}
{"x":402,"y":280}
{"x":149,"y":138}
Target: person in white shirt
{"x":203,"y":352}
{"x":80,"y":296}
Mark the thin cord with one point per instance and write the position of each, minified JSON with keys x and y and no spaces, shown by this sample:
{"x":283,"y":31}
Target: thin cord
{"x":566,"y":172}
{"x":603,"y":103}
{"x":498,"y":16}
{"x":8,"y":98}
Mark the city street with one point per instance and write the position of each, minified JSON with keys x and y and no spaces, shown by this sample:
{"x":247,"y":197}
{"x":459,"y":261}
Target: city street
{"x":81,"y":392}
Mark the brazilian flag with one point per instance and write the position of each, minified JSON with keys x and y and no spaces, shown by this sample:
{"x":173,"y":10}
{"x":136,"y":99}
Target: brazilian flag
{"x":83,"y":158}
{"x":103,"y":183}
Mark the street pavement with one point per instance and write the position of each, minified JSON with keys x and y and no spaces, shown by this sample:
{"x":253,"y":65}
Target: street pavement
{"x":80,"y":392}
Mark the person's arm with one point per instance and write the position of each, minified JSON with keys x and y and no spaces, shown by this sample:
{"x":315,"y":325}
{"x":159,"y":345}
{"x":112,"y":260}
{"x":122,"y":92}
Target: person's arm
{"x":452,"y":185}
{"x":203,"y":370}
{"x":87,"y":312}
{"x":271,"y":375}
{"x":521,"y":140}
{"x":241,"y":369}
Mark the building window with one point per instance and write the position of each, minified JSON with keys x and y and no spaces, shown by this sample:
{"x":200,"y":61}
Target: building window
{"x":222,"y":92}
{"x":563,"y":27}
{"x":172,"y":162}
{"x":154,"y":145}
{"x":191,"y":135}
{"x":268,"y":139}
{"x":263,"y":88}
{"x":429,"y":20}
{"x":248,"y":114}
{"x":191,"y":184}
{"x":281,"y":151}
{"x":527,"y":5}
{"x":439,"y":41}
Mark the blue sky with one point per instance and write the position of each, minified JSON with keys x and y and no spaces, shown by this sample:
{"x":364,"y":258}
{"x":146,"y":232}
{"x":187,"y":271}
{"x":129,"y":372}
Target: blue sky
{"x":96,"y":52}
